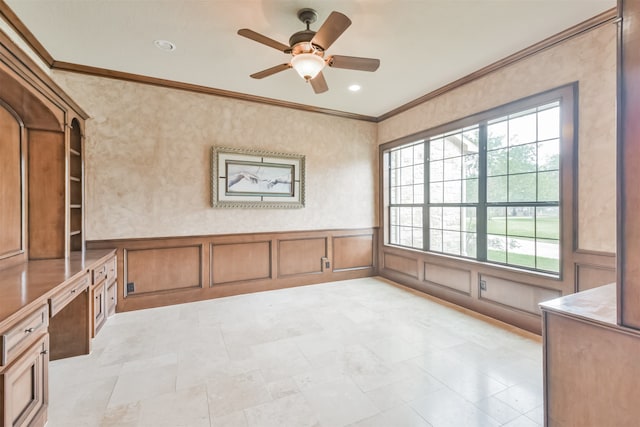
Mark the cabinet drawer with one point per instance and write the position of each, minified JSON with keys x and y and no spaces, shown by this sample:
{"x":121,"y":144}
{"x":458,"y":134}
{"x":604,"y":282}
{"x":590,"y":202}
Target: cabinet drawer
{"x":23,"y":334}
{"x":68,"y":293}
{"x":112,"y":270}
{"x":100,"y":273}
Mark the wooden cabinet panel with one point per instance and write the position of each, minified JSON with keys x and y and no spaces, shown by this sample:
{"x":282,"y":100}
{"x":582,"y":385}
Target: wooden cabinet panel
{"x":103,"y":293}
{"x":25,"y":384}
{"x":99,"y":306}
{"x":301,"y":256}
{"x":350,"y":252}
{"x":46,"y":195}
{"x":400,"y":264}
{"x":162,"y":269}
{"x":452,"y":278}
{"x":592,"y":276}
{"x":112,"y":269}
{"x":10,"y":185}
{"x":112,"y":298}
{"x":241,"y":261}
{"x":591,"y":373}
{"x":520,"y":296}
{"x":628,"y":196}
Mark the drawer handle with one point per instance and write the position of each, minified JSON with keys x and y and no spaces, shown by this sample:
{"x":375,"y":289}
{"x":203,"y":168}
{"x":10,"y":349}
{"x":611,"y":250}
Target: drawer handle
{"x":44,"y":352}
{"x":29,"y":330}
{"x":73,"y":291}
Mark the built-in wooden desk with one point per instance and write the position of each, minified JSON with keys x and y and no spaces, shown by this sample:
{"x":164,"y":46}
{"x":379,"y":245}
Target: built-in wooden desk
{"x":46,"y":310}
{"x":591,"y":364}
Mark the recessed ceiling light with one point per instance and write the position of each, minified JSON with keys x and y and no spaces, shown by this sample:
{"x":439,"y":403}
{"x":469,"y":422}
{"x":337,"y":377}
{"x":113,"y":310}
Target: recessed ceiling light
{"x":165,"y":45}
{"x":354,"y":88}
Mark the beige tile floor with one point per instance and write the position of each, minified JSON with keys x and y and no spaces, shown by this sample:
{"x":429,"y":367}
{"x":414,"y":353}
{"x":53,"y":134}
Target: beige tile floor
{"x":354,"y":353}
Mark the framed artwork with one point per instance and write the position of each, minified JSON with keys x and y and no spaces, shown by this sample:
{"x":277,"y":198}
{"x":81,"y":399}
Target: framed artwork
{"x":256,"y":179}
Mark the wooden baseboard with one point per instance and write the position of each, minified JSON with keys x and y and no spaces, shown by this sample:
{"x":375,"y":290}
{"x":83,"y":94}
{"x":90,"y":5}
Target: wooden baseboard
{"x":162,"y":271}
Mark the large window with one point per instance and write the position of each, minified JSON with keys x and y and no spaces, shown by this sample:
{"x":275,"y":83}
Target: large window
{"x":488,"y":190}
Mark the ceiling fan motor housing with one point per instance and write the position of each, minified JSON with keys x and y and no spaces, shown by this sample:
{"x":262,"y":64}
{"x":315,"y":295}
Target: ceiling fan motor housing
{"x":307,"y":48}
{"x":300,"y":42}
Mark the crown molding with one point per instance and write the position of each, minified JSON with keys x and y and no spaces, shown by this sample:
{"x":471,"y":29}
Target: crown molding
{"x":609,"y":16}
{"x":12,"y":19}
{"x":137,"y":78}
{"x":606,"y":17}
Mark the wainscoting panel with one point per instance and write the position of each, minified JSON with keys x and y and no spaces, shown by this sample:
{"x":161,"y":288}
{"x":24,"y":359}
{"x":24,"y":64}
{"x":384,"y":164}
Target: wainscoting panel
{"x":353,"y":252}
{"x":239,"y":262}
{"x":592,"y":276}
{"x":174,"y":270}
{"x":453,"y":278}
{"x":163,"y":269}
{"x":515,"y":295}
{"x":401,"y":264}
{"x":301,"y":256}
{"x":512,"y":295}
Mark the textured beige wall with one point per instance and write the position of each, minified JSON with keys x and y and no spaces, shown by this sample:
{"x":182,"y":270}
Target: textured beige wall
{"x":589,"y":59}
{"x":147,"y":163}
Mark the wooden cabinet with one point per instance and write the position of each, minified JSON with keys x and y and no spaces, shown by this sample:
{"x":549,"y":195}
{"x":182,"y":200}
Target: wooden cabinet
{"x":24,"y":379}
{"x":103,"y":293}
{"x":25,"y":383}
{"x":591,"y":368}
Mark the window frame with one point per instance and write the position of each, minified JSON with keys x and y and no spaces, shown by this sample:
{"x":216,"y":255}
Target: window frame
{"x":567,"y":95}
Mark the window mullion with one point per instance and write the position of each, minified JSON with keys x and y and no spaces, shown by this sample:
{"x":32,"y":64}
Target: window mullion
{"x":481,"y":214}
{"x":425,"y":201}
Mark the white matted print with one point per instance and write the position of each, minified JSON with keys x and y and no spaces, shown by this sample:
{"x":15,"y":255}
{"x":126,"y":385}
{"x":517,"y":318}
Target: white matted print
{"x":256,"y":179}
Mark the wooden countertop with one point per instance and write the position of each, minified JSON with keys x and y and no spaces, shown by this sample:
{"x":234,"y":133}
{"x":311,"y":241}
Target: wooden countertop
{"x":33,"y":282}
{"x":596,"y":305}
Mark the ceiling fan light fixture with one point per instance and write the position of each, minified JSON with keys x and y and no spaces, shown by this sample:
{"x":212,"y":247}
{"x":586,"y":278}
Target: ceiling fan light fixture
{"x":307,"y":65}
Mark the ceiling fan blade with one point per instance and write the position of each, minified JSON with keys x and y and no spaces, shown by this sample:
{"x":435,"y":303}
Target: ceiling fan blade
{"x":330,"y":30}
{"x":269,"y":71}
{"x":319,"y":84}
{"x":250,"y":34}
{"x":353,"y":63}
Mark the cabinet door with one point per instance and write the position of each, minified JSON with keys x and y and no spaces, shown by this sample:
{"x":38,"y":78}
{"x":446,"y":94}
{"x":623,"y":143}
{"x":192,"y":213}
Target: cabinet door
{"x":25,"y":387}
{"x":99,"y":306}
{"x":112,"y":298}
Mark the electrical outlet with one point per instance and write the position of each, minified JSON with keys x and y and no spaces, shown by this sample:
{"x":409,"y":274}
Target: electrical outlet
{"x":483,"y":285}
{"x":327,"y":265}
{"x":131,"y":287}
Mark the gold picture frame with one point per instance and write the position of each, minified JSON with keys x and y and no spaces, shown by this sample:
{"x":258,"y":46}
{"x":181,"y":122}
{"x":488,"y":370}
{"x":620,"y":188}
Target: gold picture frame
{"x":242,"y":178}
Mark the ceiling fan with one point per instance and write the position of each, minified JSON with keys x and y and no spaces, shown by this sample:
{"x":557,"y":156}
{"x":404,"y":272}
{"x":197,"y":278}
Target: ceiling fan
{"x":308,"y":47}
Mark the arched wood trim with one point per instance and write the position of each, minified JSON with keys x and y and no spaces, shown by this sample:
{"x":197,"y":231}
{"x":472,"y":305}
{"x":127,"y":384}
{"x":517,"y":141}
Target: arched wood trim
{"x":32,"y":110}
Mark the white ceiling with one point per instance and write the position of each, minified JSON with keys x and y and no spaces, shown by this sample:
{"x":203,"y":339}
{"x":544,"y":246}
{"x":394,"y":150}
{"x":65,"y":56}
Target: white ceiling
{"x":422,"y":44}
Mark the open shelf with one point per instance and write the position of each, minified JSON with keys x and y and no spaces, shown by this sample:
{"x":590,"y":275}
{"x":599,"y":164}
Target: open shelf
{"x":76,"y":242}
